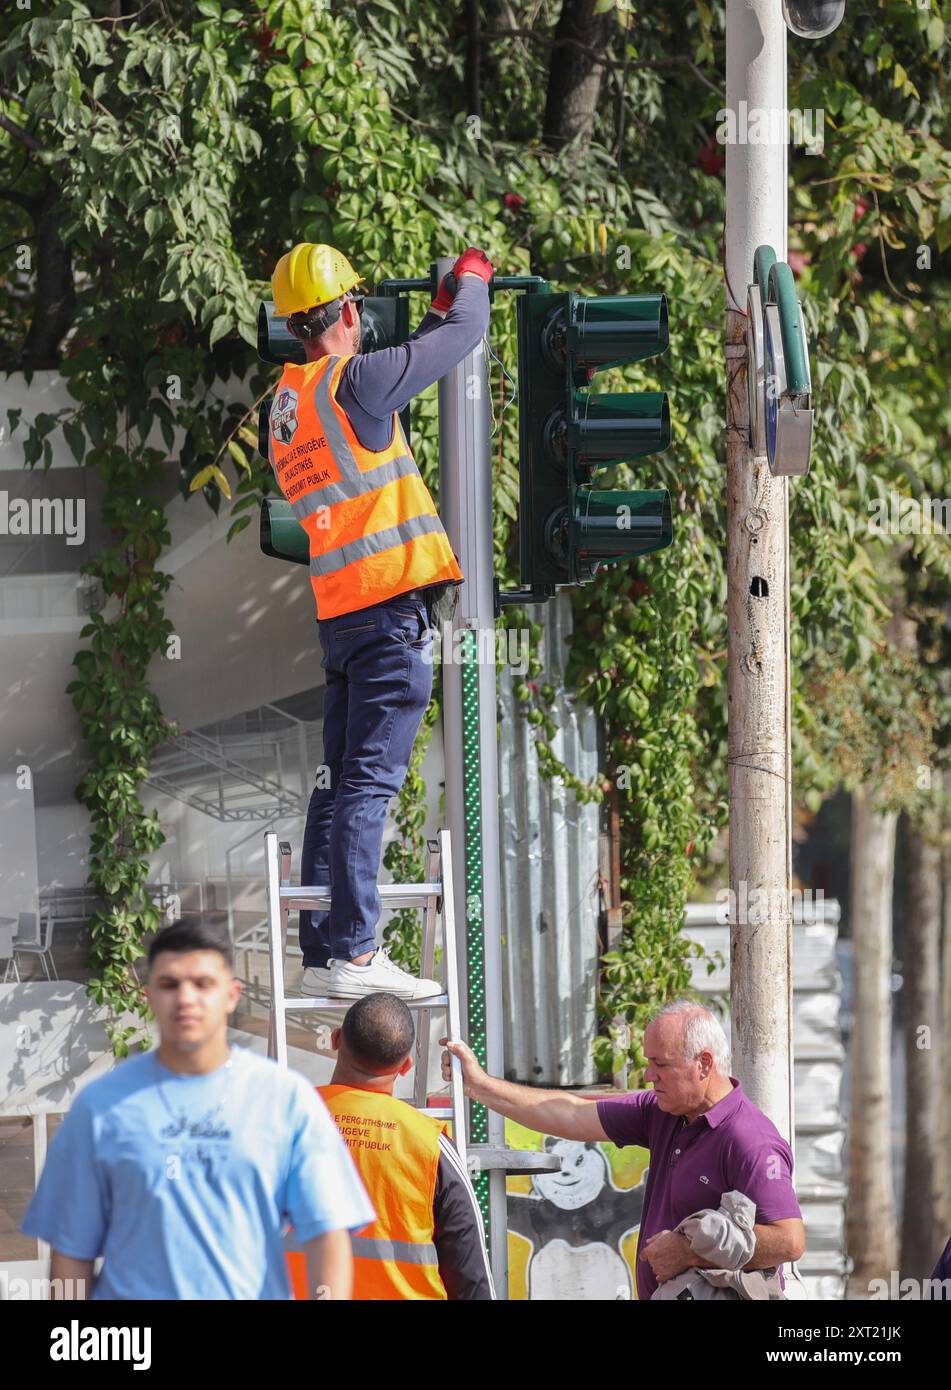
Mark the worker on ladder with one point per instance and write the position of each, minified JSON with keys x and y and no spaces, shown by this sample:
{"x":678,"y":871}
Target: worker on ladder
{"x":427,"y":1241}
{"x":381,"y":569}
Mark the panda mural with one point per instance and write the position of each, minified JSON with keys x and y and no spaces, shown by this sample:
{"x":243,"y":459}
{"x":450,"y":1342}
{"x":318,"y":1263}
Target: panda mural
{"x":575,"y":1221}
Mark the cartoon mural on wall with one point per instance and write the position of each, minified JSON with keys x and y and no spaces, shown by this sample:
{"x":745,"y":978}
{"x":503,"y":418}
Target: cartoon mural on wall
{"x":573,"y":1231}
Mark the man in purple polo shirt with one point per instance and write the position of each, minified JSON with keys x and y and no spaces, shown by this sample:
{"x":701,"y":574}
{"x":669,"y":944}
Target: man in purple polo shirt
{"x":704,"y":1135}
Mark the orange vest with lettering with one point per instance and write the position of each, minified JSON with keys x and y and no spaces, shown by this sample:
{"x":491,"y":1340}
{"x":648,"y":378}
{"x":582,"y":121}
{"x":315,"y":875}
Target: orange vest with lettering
{"x":396,"y":1152}
{"x":373,"y":528}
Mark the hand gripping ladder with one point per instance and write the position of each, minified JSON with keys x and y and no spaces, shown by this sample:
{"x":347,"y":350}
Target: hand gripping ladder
{"x":434,"y":896}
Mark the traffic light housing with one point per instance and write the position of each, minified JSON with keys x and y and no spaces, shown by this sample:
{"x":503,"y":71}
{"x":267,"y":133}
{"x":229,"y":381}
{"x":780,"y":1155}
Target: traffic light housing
{"x":385,"y":324}
{"x":567,"y":528}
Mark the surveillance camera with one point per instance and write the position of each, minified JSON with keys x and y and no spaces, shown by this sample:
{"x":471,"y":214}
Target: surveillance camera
{"x":813,"y":19}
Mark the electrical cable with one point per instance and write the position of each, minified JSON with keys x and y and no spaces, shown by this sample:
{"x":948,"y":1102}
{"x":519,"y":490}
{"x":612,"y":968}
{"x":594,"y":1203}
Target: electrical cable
{"x":496,"y":423}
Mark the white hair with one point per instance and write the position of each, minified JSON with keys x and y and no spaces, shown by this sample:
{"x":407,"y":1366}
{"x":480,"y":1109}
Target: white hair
{"x":702,"y":1032}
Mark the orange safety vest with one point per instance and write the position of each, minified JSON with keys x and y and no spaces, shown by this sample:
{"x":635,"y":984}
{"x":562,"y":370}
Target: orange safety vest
{"x":396,"y":1152}
{"x":374,"y":530}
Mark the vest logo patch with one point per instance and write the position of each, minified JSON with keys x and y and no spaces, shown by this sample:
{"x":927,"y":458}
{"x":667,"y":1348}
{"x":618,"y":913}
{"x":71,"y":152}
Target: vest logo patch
{"x":284,"y":415}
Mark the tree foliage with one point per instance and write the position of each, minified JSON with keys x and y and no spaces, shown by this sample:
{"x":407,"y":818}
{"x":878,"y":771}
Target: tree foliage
{"x":156,"y":160}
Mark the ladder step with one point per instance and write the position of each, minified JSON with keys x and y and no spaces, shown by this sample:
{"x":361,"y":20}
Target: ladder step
{"x":435,"y":898}
{"x":294,"y":1002}
{"x":317,"y":897}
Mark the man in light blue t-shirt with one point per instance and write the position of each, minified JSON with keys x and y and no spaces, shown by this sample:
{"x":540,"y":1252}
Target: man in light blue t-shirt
{"x":183,"y":1166}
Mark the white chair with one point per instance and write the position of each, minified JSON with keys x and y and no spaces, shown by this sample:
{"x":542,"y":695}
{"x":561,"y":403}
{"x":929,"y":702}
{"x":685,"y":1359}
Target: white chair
{"x":19,"y":876}
{"x":7,"y":957}
{"x":38,"y":943}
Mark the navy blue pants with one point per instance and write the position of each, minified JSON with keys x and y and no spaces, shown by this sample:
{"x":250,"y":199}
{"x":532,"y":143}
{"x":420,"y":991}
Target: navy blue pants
{"x":379,"y":665}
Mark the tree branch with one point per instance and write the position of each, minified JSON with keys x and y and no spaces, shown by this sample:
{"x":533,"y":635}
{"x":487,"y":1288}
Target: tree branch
{"x":18,"y":133}
{"x":593,"y":53}
{"x":681,"y":60}
{"x":122,"y":18}
{"x":30,"y":205}
{"x":17,"y":241}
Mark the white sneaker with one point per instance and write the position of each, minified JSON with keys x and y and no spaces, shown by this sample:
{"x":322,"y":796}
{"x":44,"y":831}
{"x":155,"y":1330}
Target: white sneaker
{"x":316,"y":981}
{"x":380,"y":974}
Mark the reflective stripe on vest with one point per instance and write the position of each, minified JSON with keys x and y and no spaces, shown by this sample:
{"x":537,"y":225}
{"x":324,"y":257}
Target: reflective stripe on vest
{"x":403,"y":1251}
{"x":374,"y":531}
{"x":342,"y":555}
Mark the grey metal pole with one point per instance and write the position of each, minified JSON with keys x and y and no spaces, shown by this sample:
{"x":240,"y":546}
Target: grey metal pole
{"x":471,"y":735}
{"x":757,"y":592}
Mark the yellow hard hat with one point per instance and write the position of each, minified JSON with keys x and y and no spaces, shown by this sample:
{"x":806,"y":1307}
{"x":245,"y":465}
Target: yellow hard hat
{"x":310,"y":275}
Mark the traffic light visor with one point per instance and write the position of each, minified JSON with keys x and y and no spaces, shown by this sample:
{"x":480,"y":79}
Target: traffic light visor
{"x":613,"y":428}
{"x":613,"y":526}
{"x":276,"y":343}
{"x":282,"y":536}
{"x":610,"y":330}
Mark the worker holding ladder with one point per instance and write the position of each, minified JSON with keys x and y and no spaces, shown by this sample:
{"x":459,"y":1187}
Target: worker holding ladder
{"x":380,"y":564}
{"x":427,"y":1240}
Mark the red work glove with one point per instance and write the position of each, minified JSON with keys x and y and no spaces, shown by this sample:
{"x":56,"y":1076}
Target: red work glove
{"x":474,"y":261}
{"x":445,"y":294}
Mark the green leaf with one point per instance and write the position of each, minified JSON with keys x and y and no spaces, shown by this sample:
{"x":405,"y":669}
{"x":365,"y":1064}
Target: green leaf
{"x":93,"y":424}
{"x":239,"y":456}
{"x":202,"y":477}
{"x":220,"y":327}
{"x":75,"y":438}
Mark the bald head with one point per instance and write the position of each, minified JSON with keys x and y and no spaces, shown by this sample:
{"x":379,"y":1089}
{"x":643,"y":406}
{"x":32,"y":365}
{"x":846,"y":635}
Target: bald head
{"x":378,"y":1034}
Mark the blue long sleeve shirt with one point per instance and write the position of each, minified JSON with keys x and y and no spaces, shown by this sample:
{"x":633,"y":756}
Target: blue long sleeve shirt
{"x":375,"y":384}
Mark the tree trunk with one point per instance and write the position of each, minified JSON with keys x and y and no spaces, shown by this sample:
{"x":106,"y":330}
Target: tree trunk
{"x":870,"y":1214}
{"x":919,"y":1247}
{"x":54,"y":303}
{"x":943,"y":1165}
{"x":576,"y":75}
{"x":473,"y":58}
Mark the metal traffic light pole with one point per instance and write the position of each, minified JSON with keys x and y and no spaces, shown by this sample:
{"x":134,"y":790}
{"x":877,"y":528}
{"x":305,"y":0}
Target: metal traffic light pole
{"x":757,"y":596}
{"x":470,"y":721}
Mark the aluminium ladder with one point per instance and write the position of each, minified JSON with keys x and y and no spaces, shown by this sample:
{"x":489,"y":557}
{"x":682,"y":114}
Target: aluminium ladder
{"x":434,"y":896}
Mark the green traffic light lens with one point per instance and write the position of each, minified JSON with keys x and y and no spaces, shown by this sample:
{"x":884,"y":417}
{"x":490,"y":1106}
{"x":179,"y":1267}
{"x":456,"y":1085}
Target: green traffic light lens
{"x":612,"y":526}
{"x":610,"y":330}
{"x":613,"y":428}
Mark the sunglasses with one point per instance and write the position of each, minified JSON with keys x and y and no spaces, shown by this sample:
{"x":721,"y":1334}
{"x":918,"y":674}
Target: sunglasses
{"x":358,"y":299}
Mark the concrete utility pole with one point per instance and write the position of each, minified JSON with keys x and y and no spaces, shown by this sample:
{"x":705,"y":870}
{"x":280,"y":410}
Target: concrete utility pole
{"x":757,"y":593}
{"x":471,"y":752}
